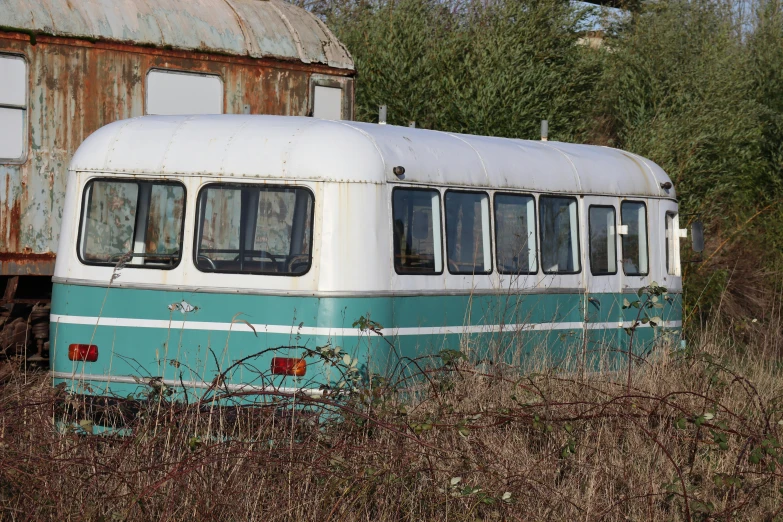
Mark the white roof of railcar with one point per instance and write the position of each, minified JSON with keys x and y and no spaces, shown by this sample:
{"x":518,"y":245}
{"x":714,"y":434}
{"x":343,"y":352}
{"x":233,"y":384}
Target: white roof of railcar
{"x":300,"y":148}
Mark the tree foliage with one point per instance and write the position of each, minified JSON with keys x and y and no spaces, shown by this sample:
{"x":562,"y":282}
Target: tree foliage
{"x":695,"y":85}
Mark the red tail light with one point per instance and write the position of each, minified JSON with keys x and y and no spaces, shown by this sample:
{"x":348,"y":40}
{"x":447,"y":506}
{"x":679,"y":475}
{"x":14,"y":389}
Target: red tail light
{"x":288,"y":366}
{"x":83,"y":352}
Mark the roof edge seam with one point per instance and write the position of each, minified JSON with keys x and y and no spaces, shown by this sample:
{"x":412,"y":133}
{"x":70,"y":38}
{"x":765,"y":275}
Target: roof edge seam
{"x":371,"y":139}
{"x":241,"y":27}
{"x":573,"y":165}
{"x":478,"y":154}
{"x":292,"y":31}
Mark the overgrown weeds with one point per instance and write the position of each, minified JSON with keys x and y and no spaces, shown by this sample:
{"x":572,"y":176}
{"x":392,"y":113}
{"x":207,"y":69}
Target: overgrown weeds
{"x":697,"y":437}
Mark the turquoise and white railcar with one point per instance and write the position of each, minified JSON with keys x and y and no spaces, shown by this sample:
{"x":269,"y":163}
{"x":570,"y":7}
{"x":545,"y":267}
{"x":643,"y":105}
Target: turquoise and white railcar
{"x":190,"y":243}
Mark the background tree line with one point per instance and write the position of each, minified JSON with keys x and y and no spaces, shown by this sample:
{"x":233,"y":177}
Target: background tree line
{"x":695,"y":85}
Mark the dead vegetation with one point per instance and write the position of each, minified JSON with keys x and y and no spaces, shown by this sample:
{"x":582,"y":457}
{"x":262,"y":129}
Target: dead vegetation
{"x":697,"y":437}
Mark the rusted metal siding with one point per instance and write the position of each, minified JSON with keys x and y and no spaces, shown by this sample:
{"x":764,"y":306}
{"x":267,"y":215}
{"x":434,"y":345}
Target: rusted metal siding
{"x":78,"y":86}
{"x":254,"y":28}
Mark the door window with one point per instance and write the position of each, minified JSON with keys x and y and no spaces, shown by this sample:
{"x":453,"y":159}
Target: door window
{"x":603,"y":240}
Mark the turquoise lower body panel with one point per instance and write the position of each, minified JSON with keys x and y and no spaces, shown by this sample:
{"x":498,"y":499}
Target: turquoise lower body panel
{"x":189,"y":338}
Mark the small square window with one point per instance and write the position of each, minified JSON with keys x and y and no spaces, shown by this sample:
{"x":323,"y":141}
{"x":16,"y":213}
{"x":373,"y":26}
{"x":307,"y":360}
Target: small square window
{"x":327,"y":103}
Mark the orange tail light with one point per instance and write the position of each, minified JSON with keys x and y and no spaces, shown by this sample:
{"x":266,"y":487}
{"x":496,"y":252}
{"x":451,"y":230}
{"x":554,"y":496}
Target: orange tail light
{"x":288,"y":366}
{"x":83,"y":352}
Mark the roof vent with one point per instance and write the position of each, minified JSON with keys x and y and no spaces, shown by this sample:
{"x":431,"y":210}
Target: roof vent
{"x":544,"y":130}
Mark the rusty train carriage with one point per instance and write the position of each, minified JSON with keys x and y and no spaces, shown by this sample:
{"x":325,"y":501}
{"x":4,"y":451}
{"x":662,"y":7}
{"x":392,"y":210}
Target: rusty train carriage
{"x":86,"y":64}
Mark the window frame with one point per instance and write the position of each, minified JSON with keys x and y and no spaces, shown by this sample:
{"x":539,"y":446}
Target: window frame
{"x":535,"y":230}
{"x":578,"y":234}
{"x":137,"y":181}
{"x":440,"y":226}
{"x":184,"y":73}
{"x":333,"y":83}
{"x":258,"y":186}
{"x":590,"y":242}
{"x":446,"y":225}
{"x":24,"y":108}
{"x":646,"y":234}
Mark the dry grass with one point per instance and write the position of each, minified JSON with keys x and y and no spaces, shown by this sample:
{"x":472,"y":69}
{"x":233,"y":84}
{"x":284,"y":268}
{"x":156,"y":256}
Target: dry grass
{"x":697,"y":437}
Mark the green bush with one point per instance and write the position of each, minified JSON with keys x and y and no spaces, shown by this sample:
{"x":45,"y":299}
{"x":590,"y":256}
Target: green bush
{"x":695,"y":85}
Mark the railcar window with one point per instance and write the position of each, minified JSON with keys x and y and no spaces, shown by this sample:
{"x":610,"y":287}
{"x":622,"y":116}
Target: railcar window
{"x":13,"y":106}
{"x":467,"y":233}
{"x":515,"y":234}
{"x":135,"y":222}
{"x":559,"y":226}
{"x":603,"y":240}
{"x":327,"y":103}
{"x":672,"y":244}
{"x":634,"y":215}
{"x":254,"y":229}
{"x":417,"y":237}
{"x":175,"y":92}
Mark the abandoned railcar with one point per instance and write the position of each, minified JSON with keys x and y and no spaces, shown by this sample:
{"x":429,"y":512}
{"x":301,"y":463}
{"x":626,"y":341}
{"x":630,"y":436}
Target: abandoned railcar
{"x":229,"y":249}
{"x":69,"y":67}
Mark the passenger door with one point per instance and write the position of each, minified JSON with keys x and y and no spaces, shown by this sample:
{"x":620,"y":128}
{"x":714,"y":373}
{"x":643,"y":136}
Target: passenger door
{"x":603,"y":280}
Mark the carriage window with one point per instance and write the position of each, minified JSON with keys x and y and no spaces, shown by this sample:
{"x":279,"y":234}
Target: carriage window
{"x":417,"y":236}
{"x":130,"y":222}
{"x":634,"y":215}
{"x":672,"y":244}
{"x":603,"y":240}
{"x":13,"y":105}
{"x":515,"y":234}
{"x":254,"y":229}
{"x":327,"y":103}
{"x":467,"y":233}
{"x":559,"y":235}
{"x":175,"y":92}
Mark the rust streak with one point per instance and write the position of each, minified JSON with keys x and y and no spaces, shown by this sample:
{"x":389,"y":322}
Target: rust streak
{"x":271,"y":62}
{"x":26,"y":264}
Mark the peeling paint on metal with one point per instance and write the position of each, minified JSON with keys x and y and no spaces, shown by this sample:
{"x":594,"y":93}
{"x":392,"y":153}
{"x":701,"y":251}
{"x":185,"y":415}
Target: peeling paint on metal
{"x":258,"y":29}
{"x":77,"y":86}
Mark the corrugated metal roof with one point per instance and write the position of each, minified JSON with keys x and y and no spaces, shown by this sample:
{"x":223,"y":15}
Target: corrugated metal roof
{"x":307,"y":148}
{"x":255,"y":28}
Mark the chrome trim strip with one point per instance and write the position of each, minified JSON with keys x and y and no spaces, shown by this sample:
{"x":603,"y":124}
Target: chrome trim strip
{"x":123,"y":379}
{"x":333,"y":294}
{"x":124,"y":322}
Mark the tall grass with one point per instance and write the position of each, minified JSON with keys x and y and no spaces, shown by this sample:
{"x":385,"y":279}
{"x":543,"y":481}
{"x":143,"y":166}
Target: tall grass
{"x":696,"y":437}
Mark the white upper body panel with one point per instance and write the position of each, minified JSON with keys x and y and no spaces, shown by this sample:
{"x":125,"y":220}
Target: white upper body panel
{"x":349,"y":168}
{"x":300,"y":148}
